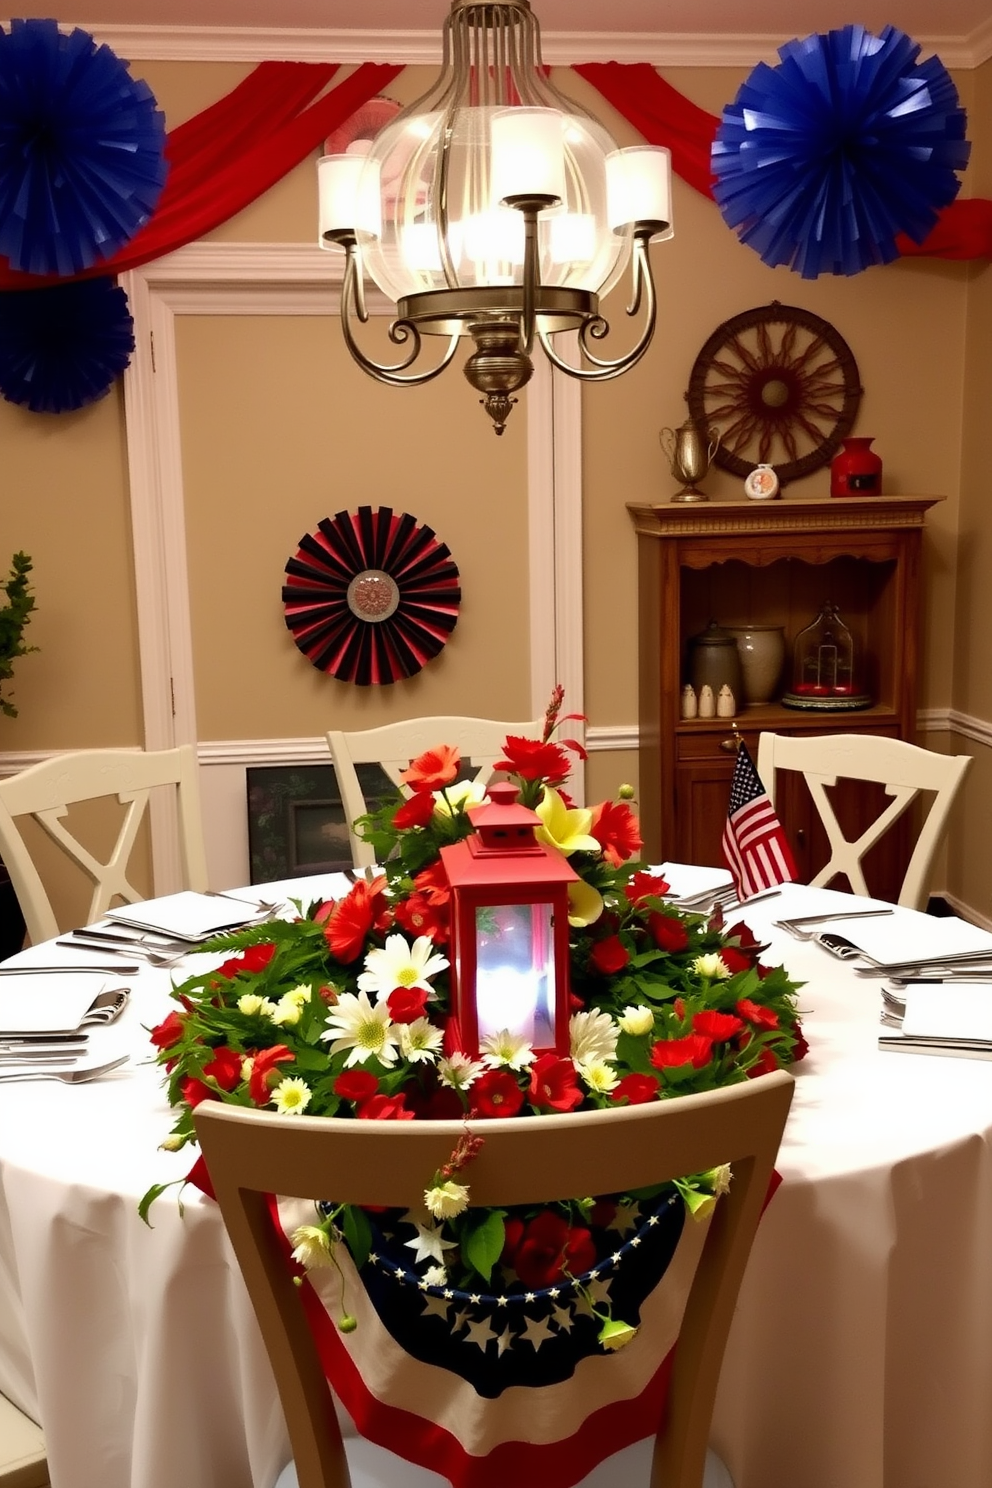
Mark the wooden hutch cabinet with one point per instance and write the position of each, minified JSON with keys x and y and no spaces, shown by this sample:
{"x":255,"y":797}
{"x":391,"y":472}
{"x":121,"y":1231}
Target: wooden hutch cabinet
{"x":774,"y":563}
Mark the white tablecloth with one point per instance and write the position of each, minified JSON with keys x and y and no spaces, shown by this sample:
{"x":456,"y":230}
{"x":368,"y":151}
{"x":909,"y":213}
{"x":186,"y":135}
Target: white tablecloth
{"x":861,"y":1356}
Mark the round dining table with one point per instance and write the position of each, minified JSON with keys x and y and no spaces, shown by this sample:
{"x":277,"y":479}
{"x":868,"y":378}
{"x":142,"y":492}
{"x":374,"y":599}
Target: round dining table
{"x":861,"y":1351}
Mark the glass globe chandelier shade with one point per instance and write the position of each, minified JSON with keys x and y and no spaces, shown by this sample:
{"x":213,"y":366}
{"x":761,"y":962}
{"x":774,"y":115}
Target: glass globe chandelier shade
{"x":497,"y":209}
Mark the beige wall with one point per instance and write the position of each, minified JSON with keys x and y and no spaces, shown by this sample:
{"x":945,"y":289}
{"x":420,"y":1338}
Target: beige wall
{"x":969,"y":857}
{"x":279,"y":429}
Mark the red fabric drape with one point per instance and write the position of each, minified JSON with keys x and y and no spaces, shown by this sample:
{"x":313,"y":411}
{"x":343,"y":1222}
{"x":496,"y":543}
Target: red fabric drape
{"x":661,"y":114}
{"x":227,"y":156}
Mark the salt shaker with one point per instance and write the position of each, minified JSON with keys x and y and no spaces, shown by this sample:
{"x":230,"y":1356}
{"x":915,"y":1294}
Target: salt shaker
{"x":726,"y":704}
{"x":689,"y":705}
{"x":707,"y":702}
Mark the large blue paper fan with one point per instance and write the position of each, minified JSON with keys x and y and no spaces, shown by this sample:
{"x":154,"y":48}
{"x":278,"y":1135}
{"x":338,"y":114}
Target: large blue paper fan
{"x":823,"y":159}
{"x":82,"y":145}
{"x":63,"y":347}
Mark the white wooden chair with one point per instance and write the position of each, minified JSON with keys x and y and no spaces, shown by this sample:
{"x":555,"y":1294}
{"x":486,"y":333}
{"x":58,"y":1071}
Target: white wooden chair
{"x":904,"y":769}
{"x":45,"y":792}
{"x":23,"y":1463}
{"x":252,"y":1154}
{"x":393,"y":746}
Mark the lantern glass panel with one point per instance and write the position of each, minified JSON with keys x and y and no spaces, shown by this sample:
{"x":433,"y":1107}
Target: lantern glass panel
{"x":515,"y":971}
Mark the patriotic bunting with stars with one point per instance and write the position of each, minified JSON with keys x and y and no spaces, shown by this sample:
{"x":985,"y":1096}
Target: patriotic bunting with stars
{"x":433,"y":1372}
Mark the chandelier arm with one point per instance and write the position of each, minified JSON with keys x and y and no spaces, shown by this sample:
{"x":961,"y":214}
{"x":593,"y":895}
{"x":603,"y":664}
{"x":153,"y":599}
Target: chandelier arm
{"x":400,"y":332}
{"x":595,"y":327}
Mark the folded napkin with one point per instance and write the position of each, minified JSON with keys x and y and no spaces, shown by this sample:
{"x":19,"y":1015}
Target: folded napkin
{"x":36,"y":1004}
{"x":188,"y":915}
{"x":908,"y":936}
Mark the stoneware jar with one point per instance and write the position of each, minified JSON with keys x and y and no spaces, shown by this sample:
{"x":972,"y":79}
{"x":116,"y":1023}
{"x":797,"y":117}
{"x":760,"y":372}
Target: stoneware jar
{"x":714,"y":661}
{"x":762,"y":653}
{"x":856,"y":470}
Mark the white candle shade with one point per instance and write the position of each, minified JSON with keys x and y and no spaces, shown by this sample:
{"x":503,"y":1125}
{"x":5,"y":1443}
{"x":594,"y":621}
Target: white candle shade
{"x":528,"y":153}
{"x":639,"y":186}
{"x":348,"y":192}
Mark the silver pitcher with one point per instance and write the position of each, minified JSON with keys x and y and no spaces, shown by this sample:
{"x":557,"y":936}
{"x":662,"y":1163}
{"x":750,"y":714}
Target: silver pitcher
{"x":690,"y":449}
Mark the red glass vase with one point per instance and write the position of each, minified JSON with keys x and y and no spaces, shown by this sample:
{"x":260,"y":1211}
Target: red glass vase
{"x":856,"y":470}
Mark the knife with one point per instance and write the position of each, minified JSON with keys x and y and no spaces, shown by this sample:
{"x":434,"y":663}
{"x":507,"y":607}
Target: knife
{"x":16,"y":1040}
{"x":43,"y":1054}
{"x":118,"y":969}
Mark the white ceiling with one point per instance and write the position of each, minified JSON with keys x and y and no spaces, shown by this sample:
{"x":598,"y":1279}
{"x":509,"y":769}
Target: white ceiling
{"x":678,"y":30}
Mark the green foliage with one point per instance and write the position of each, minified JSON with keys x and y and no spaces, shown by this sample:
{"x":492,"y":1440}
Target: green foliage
{"x":483,"y":1242}
{"x":13,"y":618}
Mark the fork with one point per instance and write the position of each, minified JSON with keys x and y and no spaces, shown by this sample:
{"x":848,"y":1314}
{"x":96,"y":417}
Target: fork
{"x":68,"y":1077}
{"x":807,"y":927}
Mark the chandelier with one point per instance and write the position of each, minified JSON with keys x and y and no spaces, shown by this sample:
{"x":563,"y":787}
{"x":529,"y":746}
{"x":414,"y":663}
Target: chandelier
{"x":496,"y":208}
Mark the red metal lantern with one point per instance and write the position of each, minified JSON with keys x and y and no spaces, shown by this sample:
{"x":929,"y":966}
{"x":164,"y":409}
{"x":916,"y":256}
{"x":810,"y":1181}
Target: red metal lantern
{"x":509,"y":928}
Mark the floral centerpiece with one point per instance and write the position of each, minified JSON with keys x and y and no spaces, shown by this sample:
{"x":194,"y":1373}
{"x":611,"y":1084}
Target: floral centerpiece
{"x":344,"y":1011}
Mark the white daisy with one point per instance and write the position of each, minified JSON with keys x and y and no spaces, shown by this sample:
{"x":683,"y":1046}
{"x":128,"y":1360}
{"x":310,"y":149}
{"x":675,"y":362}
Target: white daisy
{"x":506,"y":1048}
{"x":712,"y":966}
{"x":636,"y":1020}
{"x":592,"y":1037}
{"x":420,"y":1041}
{"x":458,"y":1071}
{"x":311,"y":1247}
{"x":599,"y":1076}
{"x":291,"y":1096}
{"x":398,"y":964}
{"x":367,"y":1031}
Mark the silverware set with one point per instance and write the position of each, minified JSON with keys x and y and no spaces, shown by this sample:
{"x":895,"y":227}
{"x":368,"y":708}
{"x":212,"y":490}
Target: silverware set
{"x":722,"y":898}
{"x":77,"y":1075}
{"x":32,"y":1054}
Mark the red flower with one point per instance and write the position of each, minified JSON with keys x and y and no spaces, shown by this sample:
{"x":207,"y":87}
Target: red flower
{"x":533,"y":760}
{"x":553,"y":1084}
{"x":264,"y":1072}
{"x":433,"y":769}
{"x":695,"y":1049}
{"x":669,"y":934}
{"x":513,"y":1235}
{"x":416,"y":812}
{"x":356,"y":1085}
{"x":442,"y":1104}
{"x":646,"y":886}
{"x":224,"y":1067}
{"x":636,"y":1090}
{"x":496,"y":1093}
{"x":716,"y":1026}
{"x":678,"y":1007}
{"x":168,"y":1032}
{"x":384,"y":1108}
{"x":417,"y":915}
{"x":353,"y":917}
{"x":616,"y":829}
{"x":407,"y":1004}
{"x":433,"y":883}
{"x":743,"y":935}
{"x":609,"y":956}
{"x":603,"y":1213}
{"x":255,"y":958}
{"x":548,"y":1248}
{"x":800,"y":1048}
{"x":735,"y":960}
{"x":761,"y":1017}
{"x":200,"y":1178}
{"x":766,"y":1063}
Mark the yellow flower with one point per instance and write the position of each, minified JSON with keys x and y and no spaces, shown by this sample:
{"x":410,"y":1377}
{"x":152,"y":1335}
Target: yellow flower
{"x":564,"y":827}
{"x":291,"y":1097}
{"x":446,"y":1199}
{"x":250,"y":1004}
{"x":636,"y":1020}
{"x":616,"y":1334}
{"x":585,"y":904}
{"x":312,"y":1247}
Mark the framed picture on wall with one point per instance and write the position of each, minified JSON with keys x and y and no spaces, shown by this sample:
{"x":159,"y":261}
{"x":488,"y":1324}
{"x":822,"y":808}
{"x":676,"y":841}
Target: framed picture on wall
{"x":296,"y":822}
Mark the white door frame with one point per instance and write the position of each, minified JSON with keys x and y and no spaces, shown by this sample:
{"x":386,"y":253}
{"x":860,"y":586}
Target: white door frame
{"x":296,"y":279}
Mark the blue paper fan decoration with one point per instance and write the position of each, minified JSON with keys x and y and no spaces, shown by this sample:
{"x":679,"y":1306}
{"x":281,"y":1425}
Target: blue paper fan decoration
{"x":82,"y":144}
{"x":63,"y":347}
{"x":823,"y":159}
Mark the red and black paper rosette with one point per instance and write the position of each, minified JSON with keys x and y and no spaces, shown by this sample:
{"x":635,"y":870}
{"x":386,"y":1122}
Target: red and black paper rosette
{"x":372,"y":596}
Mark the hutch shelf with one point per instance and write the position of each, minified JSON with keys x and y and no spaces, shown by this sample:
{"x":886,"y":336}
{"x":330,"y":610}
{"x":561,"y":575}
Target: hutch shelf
{"x":776,"y":563}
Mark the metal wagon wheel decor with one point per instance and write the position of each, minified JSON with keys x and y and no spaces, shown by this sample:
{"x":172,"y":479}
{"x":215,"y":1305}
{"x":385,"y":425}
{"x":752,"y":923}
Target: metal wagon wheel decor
{"x":782,"y":386}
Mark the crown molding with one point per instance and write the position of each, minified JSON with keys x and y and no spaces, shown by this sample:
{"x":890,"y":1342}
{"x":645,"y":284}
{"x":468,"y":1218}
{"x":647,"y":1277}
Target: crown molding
{"x":412,"y":48}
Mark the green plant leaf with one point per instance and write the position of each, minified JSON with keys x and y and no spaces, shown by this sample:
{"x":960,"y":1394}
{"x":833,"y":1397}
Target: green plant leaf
{"x":483,"y":1244}
{"x":357,"y":1233}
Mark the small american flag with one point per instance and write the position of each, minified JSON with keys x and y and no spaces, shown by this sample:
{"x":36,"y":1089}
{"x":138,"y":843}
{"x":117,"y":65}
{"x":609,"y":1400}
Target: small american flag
{"x":754,"y":842}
